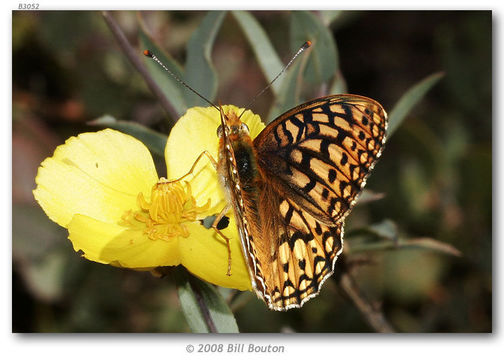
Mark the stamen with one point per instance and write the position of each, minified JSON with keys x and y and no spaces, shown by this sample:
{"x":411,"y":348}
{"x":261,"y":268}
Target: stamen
{"x":171,"y":205}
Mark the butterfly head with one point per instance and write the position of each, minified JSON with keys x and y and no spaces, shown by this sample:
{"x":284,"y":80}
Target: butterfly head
{"x":231,"y":126}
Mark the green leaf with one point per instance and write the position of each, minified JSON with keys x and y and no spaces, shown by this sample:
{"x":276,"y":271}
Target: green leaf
{"x":388,"y":239}
{"x":410,"y":99}
{"x":418,"y":243}
{"x":204,"y":308}
{"x":155,"y":141}
{"x":339,"y":85}
{"x":330,"y":16}
{"x":323,"y":58}
{"x":368,"y":196}
{"x":268,"y":59}
{"x":39,"y":251}
{"x":170,"y":87}
{"x":385,"y":229}
{"x":200,"y":72}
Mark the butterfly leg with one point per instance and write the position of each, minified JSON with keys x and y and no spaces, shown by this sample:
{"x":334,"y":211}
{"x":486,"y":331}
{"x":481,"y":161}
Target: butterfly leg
{"x":204,"y":153}
{"x":222,"y":213}
{"x":214,"y":226}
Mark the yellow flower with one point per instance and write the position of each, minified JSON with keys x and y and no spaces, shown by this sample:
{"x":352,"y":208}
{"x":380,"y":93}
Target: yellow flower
{"x":103,"y":187}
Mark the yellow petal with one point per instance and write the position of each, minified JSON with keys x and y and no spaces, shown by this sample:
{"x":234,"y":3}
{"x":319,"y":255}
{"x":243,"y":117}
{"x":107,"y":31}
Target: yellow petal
{"x":204,"y":253}
{"x":194,"y":133}
{"x":253,"y":122}
{"x":113,"y":244}
{"x":95,"y":174}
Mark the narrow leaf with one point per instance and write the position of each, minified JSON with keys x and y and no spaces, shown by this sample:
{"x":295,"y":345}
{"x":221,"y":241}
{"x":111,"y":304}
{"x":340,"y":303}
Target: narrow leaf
{"x":204,"y":308}
{"x":329,"y":16}
{"x":155,"y":141}
{"x":385,"y":229}
{"x":268,"y":59}
{"x":410,"y":99}
{"x":339,"y":85}
{"x":418,"y":243}
{"x":323,"y":58}
{"x":289,"y":92}
{"x":199,"y":69}
{"x":170,"y":87}
{"x":189,"y":304}
{"x":435,"y":245}
{"x":368,"y":196}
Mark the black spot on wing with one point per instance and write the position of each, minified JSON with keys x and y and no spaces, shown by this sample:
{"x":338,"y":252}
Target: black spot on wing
{"x":286,"y":267}
{"x":344,"y":158}
{"x":302,"y":264}
{"x":332,"y":175}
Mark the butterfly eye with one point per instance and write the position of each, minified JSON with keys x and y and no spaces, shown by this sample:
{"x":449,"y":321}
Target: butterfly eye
{"x":219,"y":131}
{"x":245,"y":127}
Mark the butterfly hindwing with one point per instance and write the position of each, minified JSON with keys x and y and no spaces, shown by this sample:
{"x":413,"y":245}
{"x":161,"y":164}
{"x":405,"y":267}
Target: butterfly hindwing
{"x":302,"y":252}
{"x":321,"y":152}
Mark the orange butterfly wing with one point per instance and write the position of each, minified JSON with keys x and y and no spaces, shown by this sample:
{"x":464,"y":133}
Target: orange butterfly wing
{"x":322,"y":152}
{"x":313,"y":163}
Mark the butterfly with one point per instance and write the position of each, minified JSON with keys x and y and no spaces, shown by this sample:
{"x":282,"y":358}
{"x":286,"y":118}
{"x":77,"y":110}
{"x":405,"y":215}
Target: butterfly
{"x":292,"y":187}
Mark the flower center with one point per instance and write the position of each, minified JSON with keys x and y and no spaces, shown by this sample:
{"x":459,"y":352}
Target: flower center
{"x":170,"y":207}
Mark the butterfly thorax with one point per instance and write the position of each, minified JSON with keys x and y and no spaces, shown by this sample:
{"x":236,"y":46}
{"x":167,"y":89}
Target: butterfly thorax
{"x":237,"y":160}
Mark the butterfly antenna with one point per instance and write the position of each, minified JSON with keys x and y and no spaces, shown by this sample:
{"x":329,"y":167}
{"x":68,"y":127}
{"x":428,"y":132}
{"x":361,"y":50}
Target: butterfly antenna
{"x":148,"y":53}
{"x":305,"y":46}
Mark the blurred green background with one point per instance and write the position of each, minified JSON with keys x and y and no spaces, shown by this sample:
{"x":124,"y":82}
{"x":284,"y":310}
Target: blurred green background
{"x":435,"y":172}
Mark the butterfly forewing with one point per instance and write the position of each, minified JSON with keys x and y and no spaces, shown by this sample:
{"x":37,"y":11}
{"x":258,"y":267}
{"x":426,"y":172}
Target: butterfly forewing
{"x":321,"y":152}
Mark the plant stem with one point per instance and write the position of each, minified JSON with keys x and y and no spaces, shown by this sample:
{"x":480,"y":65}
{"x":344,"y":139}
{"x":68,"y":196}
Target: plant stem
{"x":373,"y":315}
{"x":203,"y":307}
{"x":132,"y":56}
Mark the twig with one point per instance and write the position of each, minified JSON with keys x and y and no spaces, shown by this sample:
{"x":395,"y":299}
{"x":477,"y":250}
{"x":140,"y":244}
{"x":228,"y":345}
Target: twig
{"x":132,"y":56}
{"x":203,"y":307}
{"x":373,"y":316}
